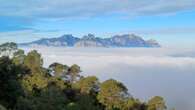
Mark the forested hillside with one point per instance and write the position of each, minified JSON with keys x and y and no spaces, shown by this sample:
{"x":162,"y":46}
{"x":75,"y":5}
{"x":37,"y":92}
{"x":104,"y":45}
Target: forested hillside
{"x":26,"y":85}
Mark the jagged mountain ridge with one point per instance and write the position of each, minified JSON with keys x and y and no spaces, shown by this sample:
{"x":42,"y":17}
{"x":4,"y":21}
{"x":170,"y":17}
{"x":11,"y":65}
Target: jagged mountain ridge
{"x":126,"y":40}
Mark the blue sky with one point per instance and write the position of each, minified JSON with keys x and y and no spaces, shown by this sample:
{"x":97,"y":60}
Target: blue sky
{"x":172,"y":23}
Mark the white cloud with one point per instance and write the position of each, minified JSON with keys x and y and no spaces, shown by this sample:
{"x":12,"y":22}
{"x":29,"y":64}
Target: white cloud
{"x":28,"y":35}
{"x":90,"y":8}
{"x":166,"y":31}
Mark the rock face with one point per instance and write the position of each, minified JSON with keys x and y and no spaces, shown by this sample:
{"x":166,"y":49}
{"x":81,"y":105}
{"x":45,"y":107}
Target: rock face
{"x":126,"y":40}
{"x":65,"y":40}
{"x":89,"y":41}
{"x":153,"y":43}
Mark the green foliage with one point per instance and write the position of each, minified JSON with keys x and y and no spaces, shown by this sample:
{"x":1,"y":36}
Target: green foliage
{"x":49,"y":98}
{"x":10,"y":88}
{"x":84,"y":102}
{"x":59,"y":70}
{"x":134,"y":104}
{"x":33,"y":61}
{"x":24,"y":103}
{"x":8,"y":49}
{"x":73,"y":72}
{"x":18,"y":57}
{"x":87,"y":102}
{"x":26,"y":85}
{"x":112,"y":94}
{"x":58,"y":82}
{"x":2,"y":107}
{"x":88,"y":84}
{"x":19,"y":53}
{"x":156,"y":103}
{"x":72,"y":106}
{"x":8,"y":46}
{"x":34,"y":81}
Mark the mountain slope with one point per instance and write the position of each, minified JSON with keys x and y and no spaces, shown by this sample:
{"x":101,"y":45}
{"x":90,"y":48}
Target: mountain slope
{"x":126,"y":40}
{"x":65,"y":40}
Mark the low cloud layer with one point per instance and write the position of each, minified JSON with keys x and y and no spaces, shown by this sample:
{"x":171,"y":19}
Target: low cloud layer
{"x":91,"y":8}
{"x":146,"y":72}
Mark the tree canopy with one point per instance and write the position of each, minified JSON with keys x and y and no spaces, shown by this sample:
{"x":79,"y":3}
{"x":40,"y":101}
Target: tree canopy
{"x":8,"y":49}
{"x":26,"y":85}
{"x":112,"y":94}
{"x":58,"y":70}
{"x":33,"y":61}
{"x":156,"y":103}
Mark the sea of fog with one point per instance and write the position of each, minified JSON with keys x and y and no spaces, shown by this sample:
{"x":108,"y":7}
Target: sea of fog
{"x":147,"y":72}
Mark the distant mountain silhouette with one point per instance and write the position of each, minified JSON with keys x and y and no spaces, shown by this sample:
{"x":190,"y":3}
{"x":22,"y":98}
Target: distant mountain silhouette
{"x":126,"y":40}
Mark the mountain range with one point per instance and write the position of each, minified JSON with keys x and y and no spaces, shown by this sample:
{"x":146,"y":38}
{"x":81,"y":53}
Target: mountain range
{"x":68,"y":40}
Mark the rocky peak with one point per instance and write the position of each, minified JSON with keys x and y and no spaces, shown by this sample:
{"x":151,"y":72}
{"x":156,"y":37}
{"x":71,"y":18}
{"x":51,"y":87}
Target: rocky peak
{"x":125,"y":40}
{"x":153,"y":42}
{"x":89,"y":37}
